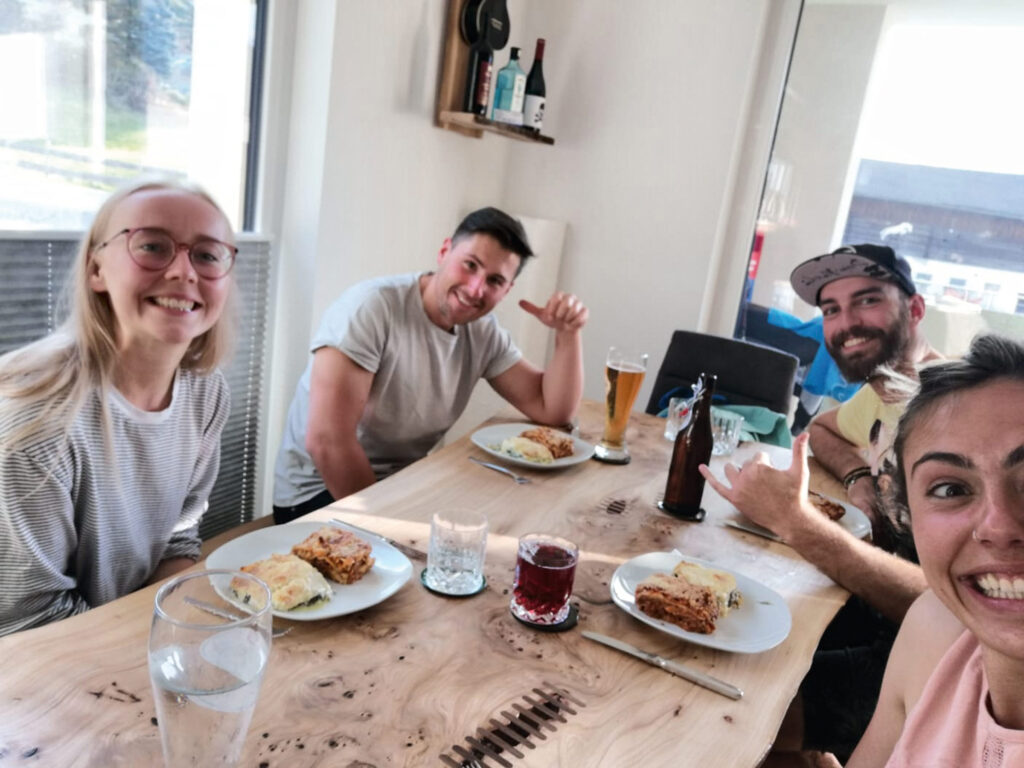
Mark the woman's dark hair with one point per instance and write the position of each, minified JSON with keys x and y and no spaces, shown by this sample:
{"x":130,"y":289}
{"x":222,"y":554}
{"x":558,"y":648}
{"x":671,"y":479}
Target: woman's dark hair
{"x":990,"y":357}
{"x":506,"y":230}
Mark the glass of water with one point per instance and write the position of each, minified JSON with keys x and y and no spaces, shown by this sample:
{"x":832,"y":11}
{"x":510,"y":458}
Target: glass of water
{"x":725,"y":428}
{"x":455,"y":557}
{"x":206,"y":667}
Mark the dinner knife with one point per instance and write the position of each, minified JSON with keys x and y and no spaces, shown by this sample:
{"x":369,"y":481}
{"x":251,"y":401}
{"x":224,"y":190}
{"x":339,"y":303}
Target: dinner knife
{"x":753,"y":528}
{"x":405,"y":549}
{"x":707,"y":681}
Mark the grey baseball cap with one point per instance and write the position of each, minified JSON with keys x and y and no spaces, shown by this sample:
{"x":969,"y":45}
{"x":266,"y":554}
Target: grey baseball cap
{"x":866,"y":260}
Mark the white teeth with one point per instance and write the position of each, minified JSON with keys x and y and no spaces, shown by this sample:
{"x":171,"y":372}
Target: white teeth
{"x":1001,"y":586}
{"x":180,"y":304}
{"x":853,"y":342}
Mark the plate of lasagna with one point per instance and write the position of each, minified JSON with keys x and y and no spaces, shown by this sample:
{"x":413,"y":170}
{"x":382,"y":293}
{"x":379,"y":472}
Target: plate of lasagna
{"x":532,"y":446}
{"x":701,"y":603}
{"x":314,"y":570}
{"x":842,"y":513}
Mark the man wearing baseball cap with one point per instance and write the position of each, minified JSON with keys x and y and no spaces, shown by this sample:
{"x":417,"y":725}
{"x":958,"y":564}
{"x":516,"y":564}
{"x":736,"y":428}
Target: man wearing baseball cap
{"x":871,"y":314}
{"x":871,"y":321}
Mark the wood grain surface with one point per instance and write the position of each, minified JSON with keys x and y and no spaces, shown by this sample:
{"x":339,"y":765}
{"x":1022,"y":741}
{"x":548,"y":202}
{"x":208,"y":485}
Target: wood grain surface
{"x":400,"y":683}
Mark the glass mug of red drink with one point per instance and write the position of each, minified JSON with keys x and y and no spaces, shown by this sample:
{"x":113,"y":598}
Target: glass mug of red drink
{"x":545,"y":567}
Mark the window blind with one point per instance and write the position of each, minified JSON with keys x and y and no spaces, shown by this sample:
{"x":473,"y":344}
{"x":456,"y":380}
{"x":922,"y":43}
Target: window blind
{"x":33,"y":268}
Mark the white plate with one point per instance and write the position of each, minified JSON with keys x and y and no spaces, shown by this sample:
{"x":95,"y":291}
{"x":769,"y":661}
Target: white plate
{"x":855,"y":521}
{"x":761,"y":622}
{"x":391,"y":569}
{"x":489,"y":437}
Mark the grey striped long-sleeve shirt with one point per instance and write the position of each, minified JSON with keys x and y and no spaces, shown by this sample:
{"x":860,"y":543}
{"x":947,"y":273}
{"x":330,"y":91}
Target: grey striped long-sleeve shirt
{"x":77,"y":531}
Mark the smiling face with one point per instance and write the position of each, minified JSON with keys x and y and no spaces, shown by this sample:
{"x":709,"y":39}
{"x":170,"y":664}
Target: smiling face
{"x":170,"y":306}
{"x":964,"y":468}
{"x":867,"y":323}
{"x":474,"y":274}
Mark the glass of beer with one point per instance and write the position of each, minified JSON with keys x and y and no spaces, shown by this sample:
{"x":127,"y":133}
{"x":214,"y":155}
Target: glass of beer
{"x":623,"y":375}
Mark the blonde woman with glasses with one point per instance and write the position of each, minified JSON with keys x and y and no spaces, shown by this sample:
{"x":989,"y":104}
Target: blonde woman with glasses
{"x":110,"y":426}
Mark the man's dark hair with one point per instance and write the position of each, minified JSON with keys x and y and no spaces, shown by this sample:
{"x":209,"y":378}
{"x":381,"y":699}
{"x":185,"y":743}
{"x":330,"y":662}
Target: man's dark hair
{"x":990,"y":357}
{"x":506,"y":230}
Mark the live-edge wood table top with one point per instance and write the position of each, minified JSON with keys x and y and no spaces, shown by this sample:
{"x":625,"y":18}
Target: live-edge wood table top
{"x":401,"y":683}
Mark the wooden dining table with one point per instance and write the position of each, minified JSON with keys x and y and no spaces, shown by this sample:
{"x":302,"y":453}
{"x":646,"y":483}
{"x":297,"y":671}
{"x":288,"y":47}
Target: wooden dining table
{"x":422,"y":680}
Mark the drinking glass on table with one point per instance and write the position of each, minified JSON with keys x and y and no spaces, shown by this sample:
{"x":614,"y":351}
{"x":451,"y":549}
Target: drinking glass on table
{"x":624,"y":373}
{"x":545,"y":568}
{"x":206,"y":670}
{"x":455,"y":557}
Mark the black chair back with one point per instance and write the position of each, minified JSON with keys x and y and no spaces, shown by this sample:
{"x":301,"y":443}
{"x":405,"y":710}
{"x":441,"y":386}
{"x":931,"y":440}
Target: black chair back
{"x":748,"y":374}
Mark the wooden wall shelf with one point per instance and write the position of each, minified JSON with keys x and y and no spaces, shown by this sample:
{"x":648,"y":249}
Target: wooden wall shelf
{"x":477,"y":123}
{"x":449,"y":114}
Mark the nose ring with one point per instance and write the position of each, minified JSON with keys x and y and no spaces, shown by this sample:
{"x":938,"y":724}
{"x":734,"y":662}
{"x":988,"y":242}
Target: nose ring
{"x":974,"y":535}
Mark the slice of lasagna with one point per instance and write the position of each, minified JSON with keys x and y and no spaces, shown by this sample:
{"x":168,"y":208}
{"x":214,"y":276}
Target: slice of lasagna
{"x":520,"y":447}
{"x":338,"y":554}
{"x":293,"y":583}
{"x":826,"y":506}
{"x":691,"y":597}
{"x":558,"y":443}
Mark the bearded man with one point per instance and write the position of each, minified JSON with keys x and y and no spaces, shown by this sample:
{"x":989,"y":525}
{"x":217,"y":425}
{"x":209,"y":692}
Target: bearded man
{"x":872,"y":316}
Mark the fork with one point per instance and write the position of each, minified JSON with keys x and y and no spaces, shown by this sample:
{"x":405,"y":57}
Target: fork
{"x":213,"y":610}
{"x":518,"y":478}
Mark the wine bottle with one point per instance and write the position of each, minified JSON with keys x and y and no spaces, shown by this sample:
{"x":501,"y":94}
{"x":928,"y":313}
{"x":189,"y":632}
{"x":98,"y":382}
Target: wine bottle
{"x":533,"y":108}
{"x":509,"y":90}
{"x":478,"y":74}
{"x":693,"y":447}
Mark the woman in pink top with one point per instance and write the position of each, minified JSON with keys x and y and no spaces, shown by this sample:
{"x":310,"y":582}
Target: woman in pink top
{"x":953,"y":694}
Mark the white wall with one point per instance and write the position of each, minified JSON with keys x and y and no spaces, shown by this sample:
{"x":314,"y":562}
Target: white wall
{"x":649,"y":103}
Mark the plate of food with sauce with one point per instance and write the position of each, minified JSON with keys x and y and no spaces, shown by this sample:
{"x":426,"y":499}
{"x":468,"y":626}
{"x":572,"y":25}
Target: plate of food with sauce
{"x":532,"y":446}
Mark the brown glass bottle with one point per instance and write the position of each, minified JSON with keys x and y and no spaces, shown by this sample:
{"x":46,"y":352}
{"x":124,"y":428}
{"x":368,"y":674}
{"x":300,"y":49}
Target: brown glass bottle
{"x":693,"y":445}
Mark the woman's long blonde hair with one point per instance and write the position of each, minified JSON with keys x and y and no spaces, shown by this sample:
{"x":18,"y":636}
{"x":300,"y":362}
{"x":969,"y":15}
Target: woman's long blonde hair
{"x":60,"y":370}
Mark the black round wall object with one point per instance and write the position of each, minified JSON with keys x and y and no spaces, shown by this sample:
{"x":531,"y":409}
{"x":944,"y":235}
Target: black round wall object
{"x":471,"y":22}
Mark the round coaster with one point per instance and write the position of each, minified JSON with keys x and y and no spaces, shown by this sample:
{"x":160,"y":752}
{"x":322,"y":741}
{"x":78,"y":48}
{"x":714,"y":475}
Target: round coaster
{"x":695,"y":518}
{"x":612,"y":460}
{"x":423,"y":581}
{"x":568,"y":623}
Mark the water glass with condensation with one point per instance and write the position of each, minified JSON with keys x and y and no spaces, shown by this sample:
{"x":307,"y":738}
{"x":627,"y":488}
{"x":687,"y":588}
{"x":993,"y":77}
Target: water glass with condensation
{"x":206,"y":669}
{"x":725,"y":427}
{"x":455,"y":557}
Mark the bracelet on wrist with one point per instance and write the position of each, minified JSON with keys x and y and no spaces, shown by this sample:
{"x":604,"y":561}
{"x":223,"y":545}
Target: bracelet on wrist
{"x":854,"y":475}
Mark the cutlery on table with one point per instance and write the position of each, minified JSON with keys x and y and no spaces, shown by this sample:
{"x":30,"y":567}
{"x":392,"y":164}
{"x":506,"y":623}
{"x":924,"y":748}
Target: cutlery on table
{"x":520,"y":480}
{"x":753,"y":528}
{"x":700,"y":678}
{"x":405,"y":549}
{"x":213,"y":610}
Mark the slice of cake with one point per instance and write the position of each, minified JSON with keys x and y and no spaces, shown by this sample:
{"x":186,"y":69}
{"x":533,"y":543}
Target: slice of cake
{"x":338,"y":554}
{"x":292,"y":582}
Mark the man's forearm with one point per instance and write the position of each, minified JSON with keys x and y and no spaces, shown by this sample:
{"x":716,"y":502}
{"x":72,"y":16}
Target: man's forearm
{"x":345,"y":469}
{"x":562,"y":383}
{"x":886,"y":582}
{"x":834,"y":452}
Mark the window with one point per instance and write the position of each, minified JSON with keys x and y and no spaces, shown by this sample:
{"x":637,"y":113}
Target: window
{"x":902,"y":135}
{"x":96,"y":92}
